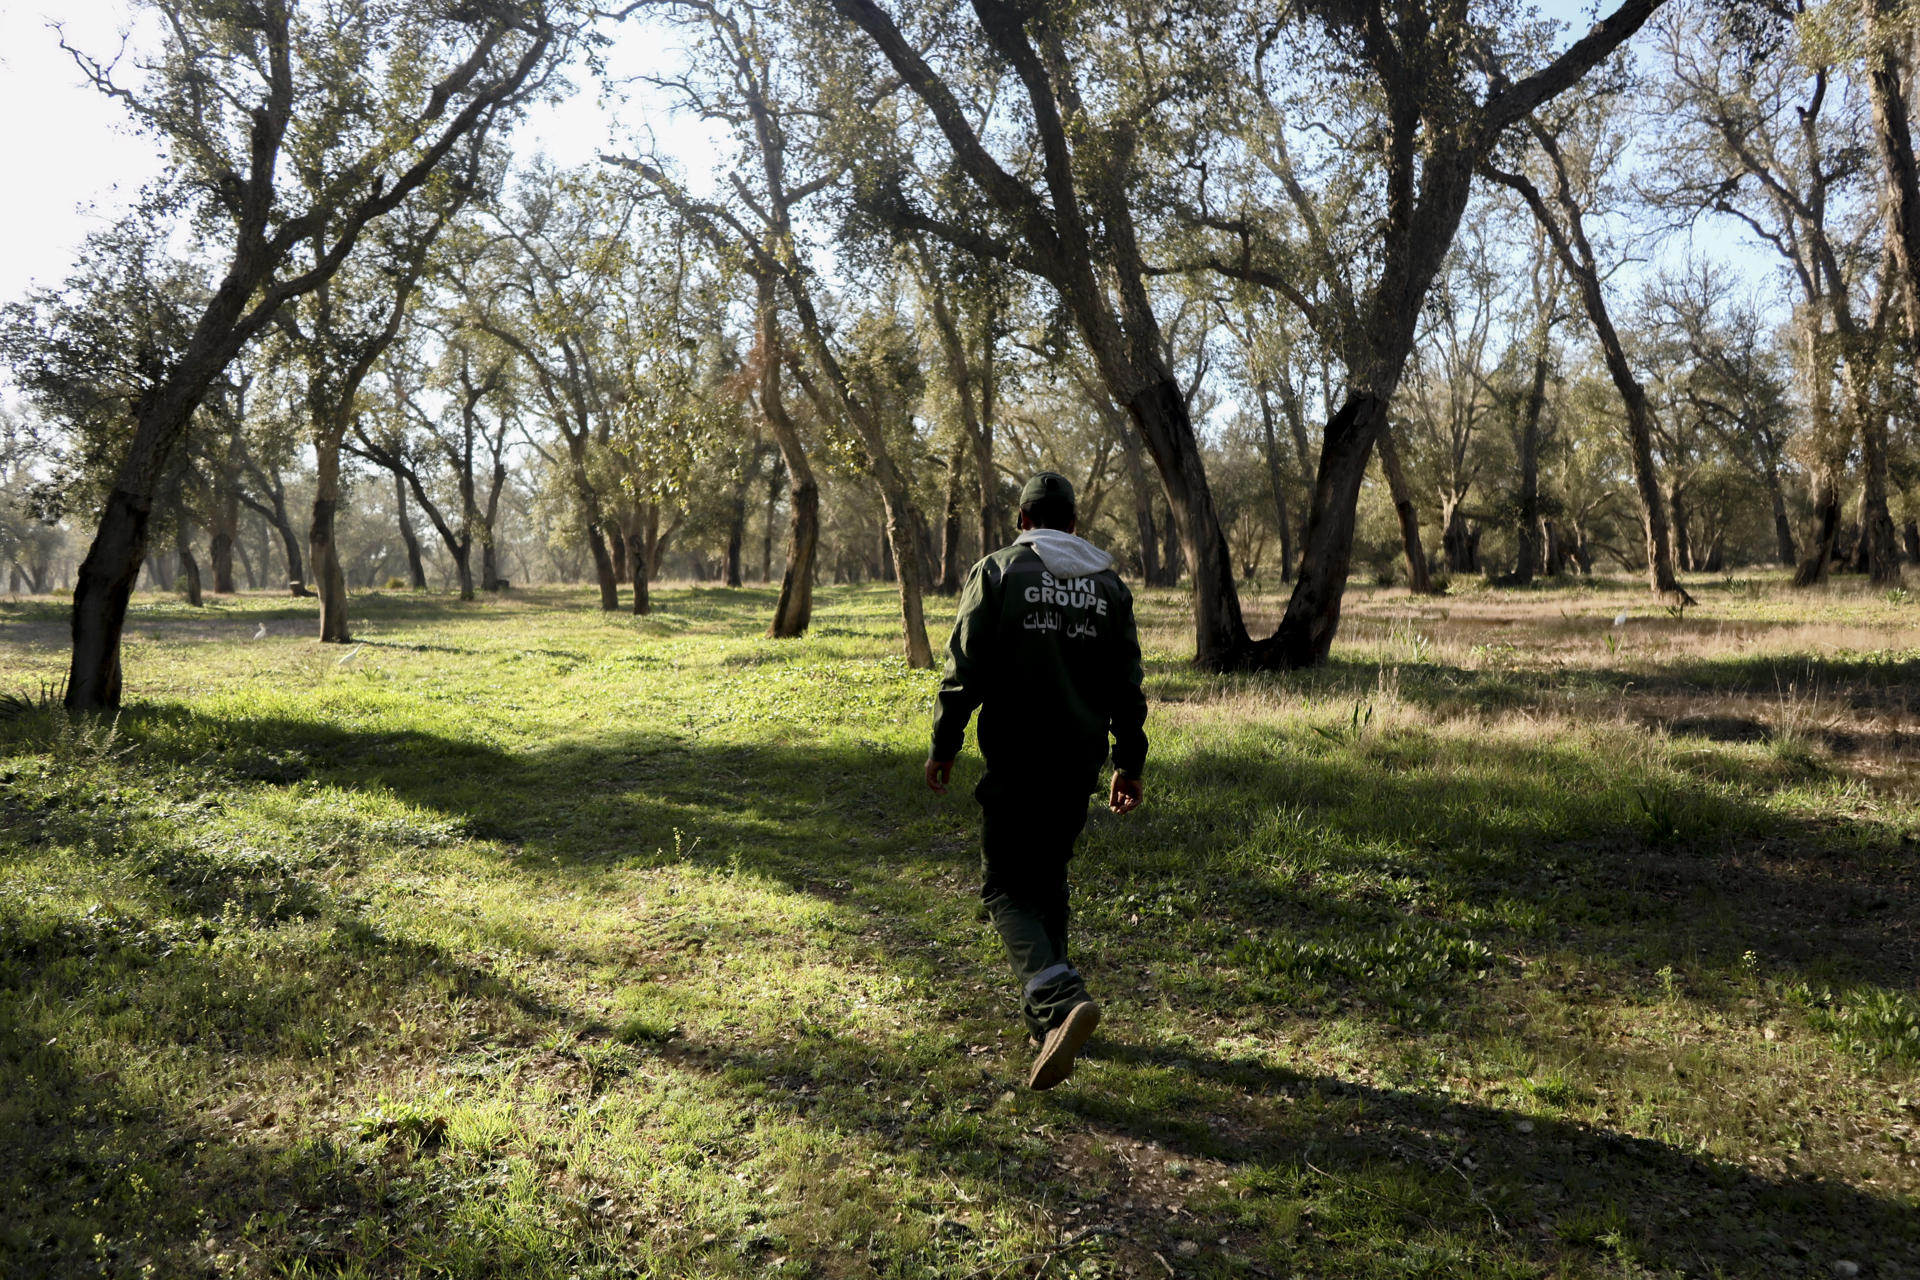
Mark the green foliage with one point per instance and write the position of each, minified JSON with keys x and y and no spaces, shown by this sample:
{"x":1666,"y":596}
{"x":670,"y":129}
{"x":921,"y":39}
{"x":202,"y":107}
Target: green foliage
{"x":535,"y":942}
{"x":1877,"y":1024}
{"x":1410,"y":971}
{"x":1677,"y":817}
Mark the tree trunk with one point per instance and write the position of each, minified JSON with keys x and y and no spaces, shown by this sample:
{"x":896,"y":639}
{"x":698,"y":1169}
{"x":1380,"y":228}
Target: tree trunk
{"x":246,"y":564}
{"x":1891,"y":111}
{"x":1910,"y":534}
{"x":950,"y":549}
{"x":1282,"y":520}
{"x":905,"y":532}
{"x":1581,"y":549}
{"x":655,"y":541}
{"x":1160,"y":414}
{"x":329,"y":576}
{"x":1715,"y":558}
{"x":220,"y":547}
{"x":603,"y":568}
{"x":460,"y":551}
{"x":296,"y":568}
{"x":1551,"y":553}
{"x":328,"y":573}
{"x":975,"y":394}
{"x":1646,"y":480}
{"x":901,"y":518}
{"x":100,"y":594}
{"x":224,"y":527}
{"x":1313,"y":611}
{"x":1576,"y":255}
{"x":112,"y":564}
{"x":793,"y":611}
{"x":1826,"y":531}
{"x":618,"y":548}
{"x":1880,"y":547}
{"x":416,"y":569}
{"x":1782,"y":526}
{"x":774,"y":476}
{"x":929,"y":559}
{"x":1142,"y":510}
{"x":1528,"y":552}
{"x":993,"y":516}
{"x":1459,"y":538}
{"x":1172,"y":565}
{"x":1680,"y":535}
{"x":277,"y":516}
{"x":636,"y":558}
{"x":1901,"y":198}
{"x":1418,"y":580}
{"x":488,"y":524}
{"x":189,"y":567}
{"x":490,"y":579}
{"x":737,"y":533}
{"x":1831,"y":444}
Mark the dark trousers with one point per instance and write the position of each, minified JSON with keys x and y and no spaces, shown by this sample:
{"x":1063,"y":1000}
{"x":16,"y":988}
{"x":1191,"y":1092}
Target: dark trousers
{"x":1028,"y":825}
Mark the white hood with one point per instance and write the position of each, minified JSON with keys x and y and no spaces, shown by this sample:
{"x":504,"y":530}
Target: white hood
{"x":1065,"y":555}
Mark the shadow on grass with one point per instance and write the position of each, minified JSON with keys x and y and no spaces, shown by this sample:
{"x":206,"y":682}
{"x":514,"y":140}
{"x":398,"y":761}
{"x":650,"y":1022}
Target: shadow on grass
{"x":1794,"y":688}
{"x":1302,"y":868}
{"x":1322,"y":1175}
{"x":109,"y":1171}
{"x":1320,"y":831}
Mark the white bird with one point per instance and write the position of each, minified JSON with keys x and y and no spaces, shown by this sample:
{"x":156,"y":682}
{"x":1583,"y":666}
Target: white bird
{"x":261,"y":634}
{"x":1620,"y":618}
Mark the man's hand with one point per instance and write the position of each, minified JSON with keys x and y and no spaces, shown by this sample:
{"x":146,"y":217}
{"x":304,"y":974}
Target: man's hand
{"x":939,"y":774}
{"x":1123,"y":797}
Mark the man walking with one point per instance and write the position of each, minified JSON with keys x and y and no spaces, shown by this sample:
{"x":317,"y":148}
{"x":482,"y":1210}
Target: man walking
{"x":1045,"y":646}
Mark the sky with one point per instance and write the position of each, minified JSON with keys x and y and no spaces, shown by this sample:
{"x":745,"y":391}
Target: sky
{"x":76,"y":164}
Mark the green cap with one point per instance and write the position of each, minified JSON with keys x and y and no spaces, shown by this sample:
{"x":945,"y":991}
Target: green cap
{"x":1049,"y":488}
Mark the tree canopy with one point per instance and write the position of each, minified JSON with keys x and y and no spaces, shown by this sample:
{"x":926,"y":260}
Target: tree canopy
{"x":1209,"y":261}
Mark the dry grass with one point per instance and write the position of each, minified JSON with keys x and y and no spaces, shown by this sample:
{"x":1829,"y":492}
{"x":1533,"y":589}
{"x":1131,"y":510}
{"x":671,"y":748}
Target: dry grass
{"x":1829,"y":670}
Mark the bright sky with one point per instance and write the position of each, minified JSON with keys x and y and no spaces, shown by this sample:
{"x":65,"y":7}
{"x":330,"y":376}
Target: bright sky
{"x":73,"y":160}
{"x":76,"y":163}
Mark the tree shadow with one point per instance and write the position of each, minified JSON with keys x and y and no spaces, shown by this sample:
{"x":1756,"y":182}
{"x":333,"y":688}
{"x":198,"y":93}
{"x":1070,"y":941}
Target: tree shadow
{"x":1302,"y":1172}
{"x":1539,"y":840}
{"x":1788,"y":693}
{"x":110,"y":1172}
{"x":1513,"y":1180}
{"x":1286,"y":868}
{"x":1523,"y":840}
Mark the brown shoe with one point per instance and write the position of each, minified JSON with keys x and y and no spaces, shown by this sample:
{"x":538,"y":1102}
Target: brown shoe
{"x":1055,"y":1062}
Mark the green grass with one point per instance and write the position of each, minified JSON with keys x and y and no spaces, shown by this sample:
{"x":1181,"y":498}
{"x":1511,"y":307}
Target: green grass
{"x":521,"y":940}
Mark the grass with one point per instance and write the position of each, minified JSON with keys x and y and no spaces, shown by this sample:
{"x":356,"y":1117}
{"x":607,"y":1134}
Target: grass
{"x":520,"y":940}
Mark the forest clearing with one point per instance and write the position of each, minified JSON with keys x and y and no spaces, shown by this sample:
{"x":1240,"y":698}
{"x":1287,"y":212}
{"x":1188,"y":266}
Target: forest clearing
{"x":415,"y":862}
{"x":1538,"y":933}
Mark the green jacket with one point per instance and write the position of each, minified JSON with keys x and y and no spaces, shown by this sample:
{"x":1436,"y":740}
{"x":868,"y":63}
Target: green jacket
{"x":1052,"y":661}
